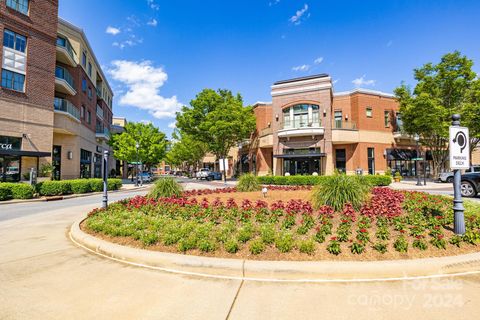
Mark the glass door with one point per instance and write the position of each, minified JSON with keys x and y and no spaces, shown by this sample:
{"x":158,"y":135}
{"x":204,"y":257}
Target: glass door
{"x":57,"y":162}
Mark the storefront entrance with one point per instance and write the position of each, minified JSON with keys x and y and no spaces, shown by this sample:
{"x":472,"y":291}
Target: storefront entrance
{"x":403,"y":161}
{"x":10,"y":168}
{"x":301,"y":166}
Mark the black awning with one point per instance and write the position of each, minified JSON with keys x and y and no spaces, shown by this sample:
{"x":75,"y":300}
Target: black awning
{"x":296,"y":156}
{"x":22,"y":153}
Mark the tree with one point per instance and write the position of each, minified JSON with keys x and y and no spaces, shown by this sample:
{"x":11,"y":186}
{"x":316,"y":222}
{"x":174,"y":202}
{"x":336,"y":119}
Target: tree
{"x":152,"y":144}
{"x":185,"y":150}
{"x":218,"y":119}
{"x":442,"y":90}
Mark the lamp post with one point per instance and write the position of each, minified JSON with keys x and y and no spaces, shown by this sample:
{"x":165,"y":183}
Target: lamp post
{"x":417,"y":139}
{"x":105,"y":180}
{"x":137,"y":146}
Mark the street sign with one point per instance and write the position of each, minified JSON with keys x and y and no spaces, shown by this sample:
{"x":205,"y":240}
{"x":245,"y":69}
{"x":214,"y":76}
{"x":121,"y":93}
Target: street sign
{"x":221,"y":162}
{"x":459,"y":148}
{"x":417,"y":159}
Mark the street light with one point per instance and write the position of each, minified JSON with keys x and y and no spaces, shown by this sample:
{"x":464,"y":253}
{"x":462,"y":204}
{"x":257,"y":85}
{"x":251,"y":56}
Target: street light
{"x":137,"y":146}
{"x":105,"y":179}
{"x":417,"y":139}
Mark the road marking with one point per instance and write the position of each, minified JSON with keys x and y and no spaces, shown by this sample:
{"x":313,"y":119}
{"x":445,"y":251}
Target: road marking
{"x":243,"y":278}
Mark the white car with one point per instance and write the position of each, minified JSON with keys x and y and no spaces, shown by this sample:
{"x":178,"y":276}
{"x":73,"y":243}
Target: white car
{"x":448,"y":176}
{"x":203,"y":174}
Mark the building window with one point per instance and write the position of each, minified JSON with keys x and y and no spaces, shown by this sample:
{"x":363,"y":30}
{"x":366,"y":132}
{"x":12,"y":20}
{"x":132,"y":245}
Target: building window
{"x":85,"y":164}
{"x":341,"y":160}
{"x":399,"y":122}
{"x":19,"y":5}
{"x":301,"y":116}
{"x":369,"y":112}
{"x":89,"y":69}
{"x":13,"y":81}
{"x":387,"y":119}
{"x":84,"y":85}
{"x":89,"y":117}
{"x":338,"y":120}
{"x":14,"y":41}
{"x":82,"y":112}
{"x":84,"y":59}
{"x":371,"y":161}
{"x":90,"y":94}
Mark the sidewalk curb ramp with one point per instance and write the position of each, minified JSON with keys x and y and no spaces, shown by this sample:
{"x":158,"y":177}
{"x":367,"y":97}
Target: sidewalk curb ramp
{"x":280,"y":271}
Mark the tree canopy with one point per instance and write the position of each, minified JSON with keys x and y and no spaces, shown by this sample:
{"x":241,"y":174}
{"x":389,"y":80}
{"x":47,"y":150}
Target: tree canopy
{"x":442,"y":90}
{"x":152,"y":144}
{"x":185,"y":150}
{"x":218,"y":119}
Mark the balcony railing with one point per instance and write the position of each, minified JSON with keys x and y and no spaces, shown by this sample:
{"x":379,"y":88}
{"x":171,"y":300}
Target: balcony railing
{"x":99,"y":130}
{"x":344,"y":125}
{"x":98,"y":89}
{"x":65,"y":43}
{"x":62,"y":73}
{"x":66,"y":106}
{"x":99,"y":111}
{"x":299,"y":124}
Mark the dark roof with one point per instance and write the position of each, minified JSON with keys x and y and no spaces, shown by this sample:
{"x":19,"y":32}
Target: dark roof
{"x":321,"y":75}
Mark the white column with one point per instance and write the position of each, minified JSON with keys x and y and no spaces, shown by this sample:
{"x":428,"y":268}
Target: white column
{"x":292,"y":120}
{"x":310,"y":115}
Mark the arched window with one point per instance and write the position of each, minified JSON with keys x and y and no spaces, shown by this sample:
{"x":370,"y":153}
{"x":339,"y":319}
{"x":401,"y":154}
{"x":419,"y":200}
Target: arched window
{"x":301,"y":116}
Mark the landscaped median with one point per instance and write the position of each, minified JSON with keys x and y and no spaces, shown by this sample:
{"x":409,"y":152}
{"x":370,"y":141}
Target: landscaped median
{"x":293,"y":223}
{"x":9,"y":191}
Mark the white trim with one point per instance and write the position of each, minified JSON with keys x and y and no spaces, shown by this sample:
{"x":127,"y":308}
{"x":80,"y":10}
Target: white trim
{"x":302,"y":89}
{"x":365,"y":91}
{"x":300,"y":82}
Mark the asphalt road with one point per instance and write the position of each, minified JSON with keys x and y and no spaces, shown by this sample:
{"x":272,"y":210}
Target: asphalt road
{"x":43,"y":275}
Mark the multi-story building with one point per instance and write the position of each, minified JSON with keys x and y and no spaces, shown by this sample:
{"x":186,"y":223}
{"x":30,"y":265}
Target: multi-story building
{"x":55,"y":102}
{"x":309,"y":129}
{"x":82,"y":105}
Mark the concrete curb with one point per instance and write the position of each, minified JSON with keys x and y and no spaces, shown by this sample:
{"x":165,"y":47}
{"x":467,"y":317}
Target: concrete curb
{"x":281,"y":271}
{"x":70,"y":196}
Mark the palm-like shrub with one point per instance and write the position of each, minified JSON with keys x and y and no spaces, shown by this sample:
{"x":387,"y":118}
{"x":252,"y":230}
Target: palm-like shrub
{"x":247,"y":183}
{"x":166,"y":187}
{"x":337,"y":190}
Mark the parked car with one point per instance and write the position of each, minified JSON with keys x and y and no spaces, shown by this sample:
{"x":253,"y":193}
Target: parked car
{"x":470,"y":186}
{"x":448,"y":176}
{"x":204,"y":174}
{"x":146,"y":177}
{"x":215,"y":175}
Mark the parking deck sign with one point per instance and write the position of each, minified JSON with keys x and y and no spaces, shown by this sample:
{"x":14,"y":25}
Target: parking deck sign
{"x":459,"y":148}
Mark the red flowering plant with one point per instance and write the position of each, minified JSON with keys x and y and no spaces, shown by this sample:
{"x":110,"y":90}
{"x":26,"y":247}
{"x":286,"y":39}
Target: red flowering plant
{"x":326,"y":211}
{"x":349,"y":212}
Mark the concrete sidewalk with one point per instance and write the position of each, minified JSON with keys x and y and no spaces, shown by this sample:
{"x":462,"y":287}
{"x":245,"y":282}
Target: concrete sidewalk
{"x":412,"y":185}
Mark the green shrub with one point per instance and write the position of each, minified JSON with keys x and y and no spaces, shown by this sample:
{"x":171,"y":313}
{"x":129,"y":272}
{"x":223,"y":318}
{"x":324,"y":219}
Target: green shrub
{"x":207,"y":245}
{"x":267,"y":233}
{"x":96,"y":185}
{"x":5,"y":192}
{"x":245,"y":233}
{"x":401,"y":245}
{"x":373,"y":180}
{"x":307,"y":246}
{"x":55,"y":188}
{"x":166,"y":187}
{"x":80,"y":186}
{"x":337,"y":190}
{"x":256,"y":246}
{"x":248,"y":183}
{"x":114,"y":184}
{"x":231,"y":246}
{"x":380,"y":247}
{"x":284,"y":242}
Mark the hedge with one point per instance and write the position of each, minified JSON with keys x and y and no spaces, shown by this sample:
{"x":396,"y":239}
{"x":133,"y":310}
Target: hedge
{"x":16,"y":191}
{"x":58,"y":188}
{"x":374,"y":180}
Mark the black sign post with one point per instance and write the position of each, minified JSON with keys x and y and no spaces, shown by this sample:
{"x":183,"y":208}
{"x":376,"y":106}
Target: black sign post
{"x":105,"y":180}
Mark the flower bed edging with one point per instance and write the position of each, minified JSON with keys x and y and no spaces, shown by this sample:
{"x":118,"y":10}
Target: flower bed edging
{"x":294,"y":271}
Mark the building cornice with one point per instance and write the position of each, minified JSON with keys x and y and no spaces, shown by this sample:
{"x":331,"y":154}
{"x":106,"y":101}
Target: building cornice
{"x":364,"y":91}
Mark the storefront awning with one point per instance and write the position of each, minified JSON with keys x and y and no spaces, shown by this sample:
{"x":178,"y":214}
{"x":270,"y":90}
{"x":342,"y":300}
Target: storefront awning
{"x":22,"y":153}
{"x":296,"y":156}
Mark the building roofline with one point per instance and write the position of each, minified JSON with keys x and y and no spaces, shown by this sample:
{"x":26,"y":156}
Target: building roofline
{"x":364,"y":91}
{"x":261,"y":103}
{"x":316,"y":76}
{"x":84,"y":36}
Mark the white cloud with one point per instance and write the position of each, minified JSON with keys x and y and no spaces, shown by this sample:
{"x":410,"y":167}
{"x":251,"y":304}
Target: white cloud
{"x":143,"y":82}
{"x":153,"y":5}
{"x":172,"y":125}
{"x":304,"y":67}
{"x":363,"y":82}
{"x":274,"y":2}
{"x":335,"y":81}
{"x":318,"y":60}
{"x":132,"y":41}
{"x":112,"y":30}
{"x":152,"y":23}
{"x":297,"y":18}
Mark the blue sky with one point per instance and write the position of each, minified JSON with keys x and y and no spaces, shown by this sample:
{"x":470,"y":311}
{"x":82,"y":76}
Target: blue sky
{"x":159,"y":54}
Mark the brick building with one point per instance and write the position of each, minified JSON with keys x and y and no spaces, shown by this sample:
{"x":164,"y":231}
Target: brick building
{"x":310,"y":129}
{"x":55,"y":103}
